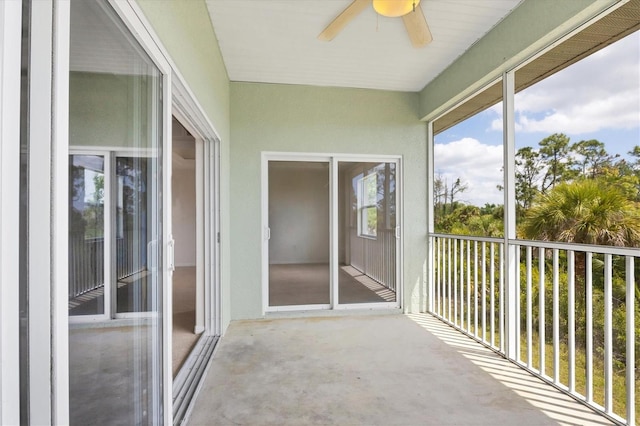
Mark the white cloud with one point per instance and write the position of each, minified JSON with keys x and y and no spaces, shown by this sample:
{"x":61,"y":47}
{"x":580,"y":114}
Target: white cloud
{"x":476,"y":164}
{"x":599,"y":92}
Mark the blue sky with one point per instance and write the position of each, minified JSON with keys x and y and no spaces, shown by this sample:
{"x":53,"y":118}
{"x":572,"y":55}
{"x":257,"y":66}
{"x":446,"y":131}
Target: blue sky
{"x":596,"y":98}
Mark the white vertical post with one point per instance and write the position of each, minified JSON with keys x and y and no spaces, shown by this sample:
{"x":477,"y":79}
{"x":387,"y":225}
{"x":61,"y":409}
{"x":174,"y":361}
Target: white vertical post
{"x":40,"y":213}
{"x":484,"y":292}
{"x":556,"y":317}
{"x":438,"y":270}
{"x":608,"y":334}
{"x":492,"y":293}
{"x":333,"y":226}
{"x":541,"y":310}
{"x":475,"y":288}
{"x":469,"y":286}
{"x":454,"y":318}
{"x":509,"y":182}
{"x":518,"y":307}
{"x":571,"y":320}
{"x":448,"y":317}
{"x":10,"y":54}
{"x":588,"y":281}
{"x":630,"y":333}
{"x":430,"y":219}
{"x":529,"y":309}
{"x":60,"y":214}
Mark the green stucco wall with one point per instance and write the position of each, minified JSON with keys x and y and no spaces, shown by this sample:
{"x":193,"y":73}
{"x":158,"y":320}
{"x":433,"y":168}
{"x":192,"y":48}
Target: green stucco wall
{"x":283,"y":118}
{"x":529,"y":28}
{"x":185,"y":30}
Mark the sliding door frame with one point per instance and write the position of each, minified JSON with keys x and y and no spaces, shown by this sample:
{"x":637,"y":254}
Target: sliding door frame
{"x":10,"y":57}
{"x":334,"y":160}
{"x":397,"y":160}
{"x":266,"y":231}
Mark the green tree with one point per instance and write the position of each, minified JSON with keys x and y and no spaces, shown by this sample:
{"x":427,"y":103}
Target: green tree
{"x":593,"y":157}
{"x":555,"y":153}
{"x":528,"y":169}
{"x":585,"y":211}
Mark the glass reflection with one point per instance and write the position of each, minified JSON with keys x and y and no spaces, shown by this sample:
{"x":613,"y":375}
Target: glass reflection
{"x":367,"y":234}
{"x":115,"y":218}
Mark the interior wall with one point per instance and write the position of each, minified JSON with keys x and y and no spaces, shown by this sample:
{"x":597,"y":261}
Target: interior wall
{"x":185,"y":30}
{"x":299,"y":213}
{"x":184,"y":214}
{"x":289,"y":118}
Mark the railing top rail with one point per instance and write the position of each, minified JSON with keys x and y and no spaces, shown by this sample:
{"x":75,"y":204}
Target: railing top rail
{"x":615,"y":250}
{"x":468,"y":238}
{"x":621,"y":251}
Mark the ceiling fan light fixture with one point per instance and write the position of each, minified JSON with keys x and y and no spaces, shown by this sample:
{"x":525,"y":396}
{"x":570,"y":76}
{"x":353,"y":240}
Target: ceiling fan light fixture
{"x":394,"y":8}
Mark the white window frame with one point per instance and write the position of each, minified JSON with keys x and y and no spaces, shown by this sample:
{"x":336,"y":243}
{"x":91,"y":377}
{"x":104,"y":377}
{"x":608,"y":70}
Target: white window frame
{"x":10,"y":57}
{"x":362,"y":217}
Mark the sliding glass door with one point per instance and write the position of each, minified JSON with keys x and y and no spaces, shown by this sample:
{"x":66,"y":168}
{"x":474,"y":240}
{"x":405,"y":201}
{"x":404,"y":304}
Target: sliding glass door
{"x":332,"y":232}
{"x":118,"y":224}
{"x":299,"y":244}
{"x":368,"y":233}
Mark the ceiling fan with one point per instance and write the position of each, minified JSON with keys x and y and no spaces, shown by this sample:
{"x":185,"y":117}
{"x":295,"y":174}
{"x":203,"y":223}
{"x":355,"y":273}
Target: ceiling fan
{"x":409,"y":10}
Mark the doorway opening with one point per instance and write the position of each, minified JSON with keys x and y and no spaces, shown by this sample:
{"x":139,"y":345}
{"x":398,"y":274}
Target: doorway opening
{"x":331,"y":232}
{"x":186,"y":219}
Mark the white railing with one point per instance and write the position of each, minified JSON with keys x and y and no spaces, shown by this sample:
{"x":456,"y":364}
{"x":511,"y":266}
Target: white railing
{"x":375,"y":257}
{"x":87,"y":261}
{"x":575,"y":312}
{"x":86,"y":264}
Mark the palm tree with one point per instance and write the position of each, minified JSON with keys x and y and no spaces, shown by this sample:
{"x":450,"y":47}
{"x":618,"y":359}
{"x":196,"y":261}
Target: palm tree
{"x":585,"y":211}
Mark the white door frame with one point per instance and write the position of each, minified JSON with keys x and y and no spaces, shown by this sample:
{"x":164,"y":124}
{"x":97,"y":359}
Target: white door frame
{"x":48,"y":196}
{"x":10,"y":56}
{"x":333,"y":160}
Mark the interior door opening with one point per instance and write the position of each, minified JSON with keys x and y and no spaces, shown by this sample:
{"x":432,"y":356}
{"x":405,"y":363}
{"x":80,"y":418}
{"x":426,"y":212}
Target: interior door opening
{"x":299,"y":247}
{"x":187,"y":233}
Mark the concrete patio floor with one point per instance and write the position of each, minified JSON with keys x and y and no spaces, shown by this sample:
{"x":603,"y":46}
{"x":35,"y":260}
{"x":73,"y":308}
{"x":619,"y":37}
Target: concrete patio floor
{"x":371,"y":370}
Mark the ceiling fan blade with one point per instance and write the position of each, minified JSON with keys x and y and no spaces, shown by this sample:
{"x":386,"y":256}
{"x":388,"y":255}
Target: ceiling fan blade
{"x":343,"y":19}
{"x":417,"y":28}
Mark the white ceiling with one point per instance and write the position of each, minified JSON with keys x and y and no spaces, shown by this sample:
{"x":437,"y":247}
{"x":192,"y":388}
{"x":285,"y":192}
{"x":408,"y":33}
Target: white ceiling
{"x":275,"y":41}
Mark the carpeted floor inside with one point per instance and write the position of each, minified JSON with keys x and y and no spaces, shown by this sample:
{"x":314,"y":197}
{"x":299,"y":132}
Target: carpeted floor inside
{"x":308,"y":284}
{"x":184,"y":314}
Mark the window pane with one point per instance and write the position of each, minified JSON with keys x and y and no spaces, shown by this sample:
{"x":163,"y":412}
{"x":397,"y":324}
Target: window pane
{"x":366,"y":232}
{"x":86,"y":235}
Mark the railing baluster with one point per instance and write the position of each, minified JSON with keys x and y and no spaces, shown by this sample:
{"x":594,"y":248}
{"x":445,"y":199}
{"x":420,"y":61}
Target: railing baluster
{"x":541,"y":310}
{"x":518,"y":307}
{"x":588,"y":282}
{"x":455,"y":282}
{"x":501,"y":298}
{"x":449,"y":279}
{"x":462,"y":307}
{"x":484,"y":292}
{"x":475,"y":288}
{"x":469,"y":286}
{"x":492,"y":295}
{"x":630,"y":334}
{"x":437,"y":266}
{"x":529,"y":311}
{"x":556,"y":317}
{"x":608,"y":335}
{"x":571,"y":320}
